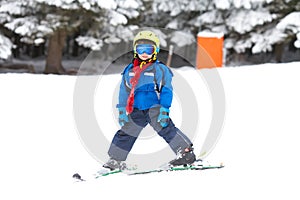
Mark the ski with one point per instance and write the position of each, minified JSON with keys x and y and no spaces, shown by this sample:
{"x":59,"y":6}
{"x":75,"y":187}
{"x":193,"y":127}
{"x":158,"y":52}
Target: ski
{"x":106,"y":172}
{"x":100,"y":174}
{"x":180,"y":168}
{"x":197,"y":165}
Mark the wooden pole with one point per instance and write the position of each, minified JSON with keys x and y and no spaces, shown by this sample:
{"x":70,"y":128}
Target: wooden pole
{"x":171,"y":48}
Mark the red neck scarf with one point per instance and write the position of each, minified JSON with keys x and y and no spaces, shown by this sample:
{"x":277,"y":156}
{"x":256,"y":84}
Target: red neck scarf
{"x":138,"y":67}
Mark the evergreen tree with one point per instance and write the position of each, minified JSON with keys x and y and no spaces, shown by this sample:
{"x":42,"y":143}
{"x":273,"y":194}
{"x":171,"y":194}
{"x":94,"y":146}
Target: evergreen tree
{"x":37,"y":21}
{"x":249,"y":25}
{"x":252,"y":24}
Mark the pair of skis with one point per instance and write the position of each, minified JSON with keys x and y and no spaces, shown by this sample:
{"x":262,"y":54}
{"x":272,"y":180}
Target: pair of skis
{"x":197,"y":165}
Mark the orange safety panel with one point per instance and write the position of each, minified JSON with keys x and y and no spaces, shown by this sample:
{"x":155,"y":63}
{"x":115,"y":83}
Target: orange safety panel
{"x":209,"y":50}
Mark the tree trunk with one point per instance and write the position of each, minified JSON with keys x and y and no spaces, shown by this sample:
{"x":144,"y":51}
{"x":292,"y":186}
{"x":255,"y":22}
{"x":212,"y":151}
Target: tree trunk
{"x":55,"y":52}
{"x":278,"y":51}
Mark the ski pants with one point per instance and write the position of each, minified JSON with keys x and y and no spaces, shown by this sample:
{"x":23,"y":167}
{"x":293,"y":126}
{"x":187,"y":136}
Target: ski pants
{"x":125,"y":138}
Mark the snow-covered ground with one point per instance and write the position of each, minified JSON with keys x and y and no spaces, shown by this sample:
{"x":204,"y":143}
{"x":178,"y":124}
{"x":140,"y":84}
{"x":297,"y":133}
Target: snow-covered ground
{"x":41,"y":148}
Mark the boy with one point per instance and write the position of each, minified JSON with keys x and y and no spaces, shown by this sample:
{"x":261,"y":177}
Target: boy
{"x":145,"y":97}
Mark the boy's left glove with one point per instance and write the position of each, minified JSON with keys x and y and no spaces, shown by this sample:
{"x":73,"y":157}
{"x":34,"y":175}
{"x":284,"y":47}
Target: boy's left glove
{"x":163,"y":117}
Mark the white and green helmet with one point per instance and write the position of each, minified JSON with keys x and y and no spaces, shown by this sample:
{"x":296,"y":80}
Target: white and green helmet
{"x":147,"y":35}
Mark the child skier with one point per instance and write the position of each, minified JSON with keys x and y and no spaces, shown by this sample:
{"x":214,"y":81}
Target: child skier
{"x":145,"y":97}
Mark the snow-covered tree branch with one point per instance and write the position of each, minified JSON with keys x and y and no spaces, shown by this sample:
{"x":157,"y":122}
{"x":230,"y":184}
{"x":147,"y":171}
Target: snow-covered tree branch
{"x":5,"y":47}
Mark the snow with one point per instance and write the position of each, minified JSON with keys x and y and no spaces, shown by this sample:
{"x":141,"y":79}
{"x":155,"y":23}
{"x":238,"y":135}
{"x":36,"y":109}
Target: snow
{"x":244,"y":21}
{"x":11,"y":8}
{"x":29,"y":26}
{"x":65,"y":4}
{"x":173,"y":24}
{"x":117,"y":18}
{"x":25,"y":28}
{"x":264,"y":42}
{"x":291,"y":22}
{"x":208,"y":34}
{"x":44,"y":29}
{"x":129,"y":4}
{"x":126,"y":33}
{"x":112,"y":39}
{"x":5,"y":47}
{"x":41,"y":149}
{"x":297,"y":42}
{"x":39,"y":41}
{"x":129,"y":13}
{"x":222,"y":4}
{"x":210,"y":17}
{"x":107,"y":4}
{"x":90,"y":42}
{"x":86,"y":4}
{"x":247,"y":4}
{"x":181,"y":38}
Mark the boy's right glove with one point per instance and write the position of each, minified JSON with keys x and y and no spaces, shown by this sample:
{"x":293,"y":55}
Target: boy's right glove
{"x":163,"y":117}
{"x":123,"y":118}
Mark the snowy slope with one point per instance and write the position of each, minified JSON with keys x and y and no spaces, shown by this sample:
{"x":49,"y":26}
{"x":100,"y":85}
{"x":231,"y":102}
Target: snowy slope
{"x":41,"y":149}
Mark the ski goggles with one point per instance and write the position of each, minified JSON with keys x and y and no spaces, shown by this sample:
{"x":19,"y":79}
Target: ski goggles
{"x":145,"y":48}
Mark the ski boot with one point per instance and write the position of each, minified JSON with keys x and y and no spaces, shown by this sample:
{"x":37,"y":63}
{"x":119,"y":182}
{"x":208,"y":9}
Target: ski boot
{"x":113,"y":164}
{"x":184,"y":157}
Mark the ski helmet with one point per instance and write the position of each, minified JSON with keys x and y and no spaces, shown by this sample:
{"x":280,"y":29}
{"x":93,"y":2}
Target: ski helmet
{"x":147,"y":35}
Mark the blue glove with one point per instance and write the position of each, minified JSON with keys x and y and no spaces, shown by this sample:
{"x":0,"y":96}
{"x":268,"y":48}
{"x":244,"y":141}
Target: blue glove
{"x":123,"y":118}
{"x":163,"y":117}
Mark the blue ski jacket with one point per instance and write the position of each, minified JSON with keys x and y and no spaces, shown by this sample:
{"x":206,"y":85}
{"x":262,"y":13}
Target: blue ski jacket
{"x":154,"y":87}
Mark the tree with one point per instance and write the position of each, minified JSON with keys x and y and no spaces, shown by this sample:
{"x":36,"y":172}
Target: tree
{"x":249,"y":25}
{"x":38,"y":20}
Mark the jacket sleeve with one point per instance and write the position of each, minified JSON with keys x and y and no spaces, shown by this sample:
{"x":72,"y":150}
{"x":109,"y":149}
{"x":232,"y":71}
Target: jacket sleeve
{"x":164,"y":82}
{"x":124,"y":90}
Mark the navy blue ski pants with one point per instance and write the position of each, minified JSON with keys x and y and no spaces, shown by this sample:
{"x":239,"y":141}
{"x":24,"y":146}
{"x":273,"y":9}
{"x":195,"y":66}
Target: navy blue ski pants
{"x":125,"y":138}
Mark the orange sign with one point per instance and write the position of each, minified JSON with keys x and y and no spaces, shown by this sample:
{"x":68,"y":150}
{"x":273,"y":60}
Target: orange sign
{"x":209,"y":50}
